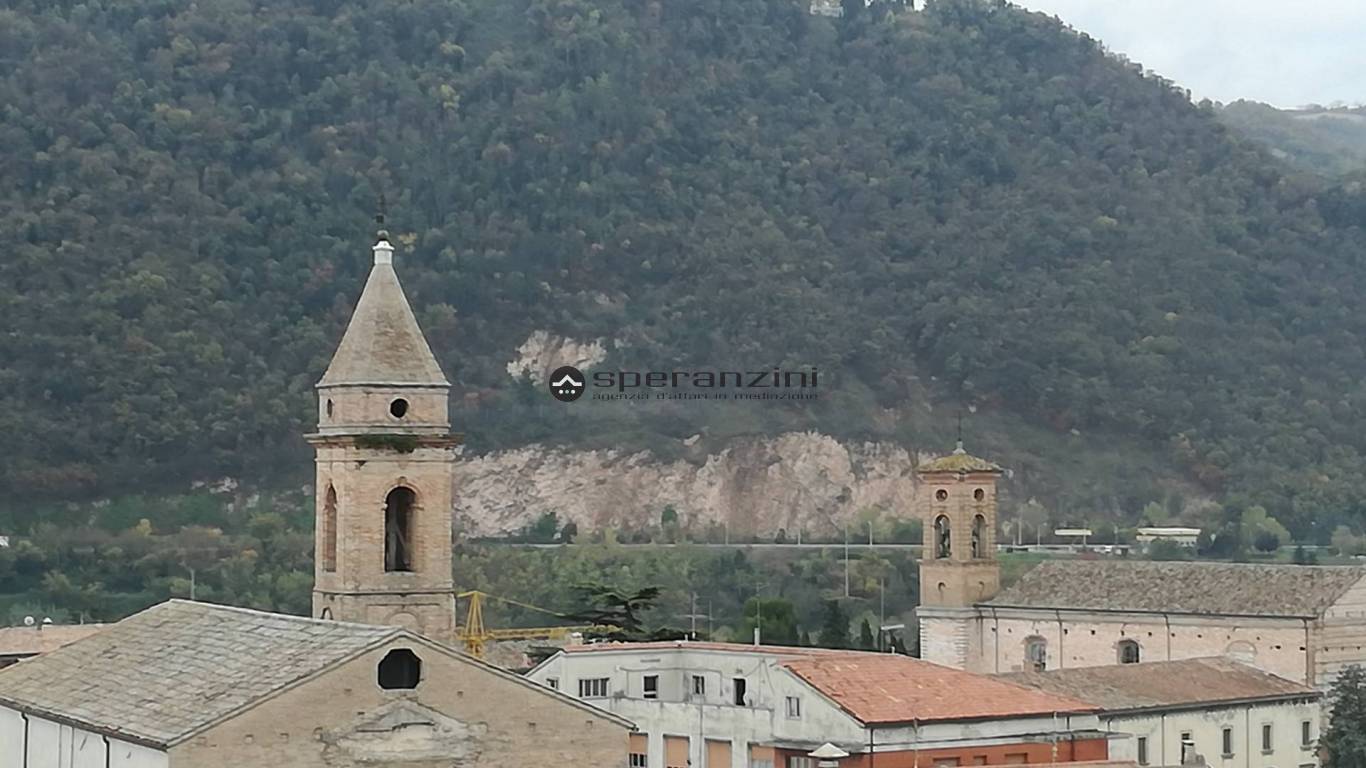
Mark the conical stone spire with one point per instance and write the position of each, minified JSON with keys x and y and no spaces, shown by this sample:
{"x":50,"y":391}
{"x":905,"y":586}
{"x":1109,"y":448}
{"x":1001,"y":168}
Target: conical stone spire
{"x":383,"y":344}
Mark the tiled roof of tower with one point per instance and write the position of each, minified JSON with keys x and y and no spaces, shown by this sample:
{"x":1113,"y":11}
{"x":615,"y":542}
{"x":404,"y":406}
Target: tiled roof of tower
{"x":383,"y":343}
{"x":160,"y":675}
{"x":958,"y":461}
{"x":888,"y":688}
{"x":1232,"y":589}
{"x":1161,"y":684}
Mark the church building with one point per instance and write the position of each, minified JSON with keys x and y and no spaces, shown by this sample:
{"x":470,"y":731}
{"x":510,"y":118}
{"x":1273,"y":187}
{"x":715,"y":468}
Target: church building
{"x":385,"y":464}
{"x":1302,"y":623}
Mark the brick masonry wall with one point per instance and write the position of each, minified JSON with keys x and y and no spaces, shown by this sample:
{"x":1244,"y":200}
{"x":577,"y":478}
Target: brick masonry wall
{"x":485,"y":719}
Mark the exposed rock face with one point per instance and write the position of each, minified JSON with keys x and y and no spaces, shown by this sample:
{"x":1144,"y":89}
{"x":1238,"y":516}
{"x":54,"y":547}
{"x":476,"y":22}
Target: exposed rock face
{"x":542,"y":353}
{"x":796,"y":480}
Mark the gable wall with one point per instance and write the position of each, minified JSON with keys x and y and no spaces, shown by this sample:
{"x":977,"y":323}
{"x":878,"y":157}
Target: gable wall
{"x":1339,"y":639}
{"x":501,"y":722}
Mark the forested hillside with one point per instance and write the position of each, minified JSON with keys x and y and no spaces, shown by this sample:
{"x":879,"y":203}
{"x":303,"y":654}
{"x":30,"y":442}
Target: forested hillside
{"x":966,"y":203}
{"x":1329,"y":141}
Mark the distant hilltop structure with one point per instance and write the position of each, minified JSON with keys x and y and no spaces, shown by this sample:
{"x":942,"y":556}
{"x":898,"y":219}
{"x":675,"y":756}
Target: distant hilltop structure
{"x":831,"y":8}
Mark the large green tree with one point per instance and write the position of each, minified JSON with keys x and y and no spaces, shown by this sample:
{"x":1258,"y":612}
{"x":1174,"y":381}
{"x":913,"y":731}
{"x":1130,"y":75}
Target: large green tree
{"x":1343,"y":742}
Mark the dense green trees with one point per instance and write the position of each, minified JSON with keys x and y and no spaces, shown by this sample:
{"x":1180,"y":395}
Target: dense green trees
{"x":1343,"y":742}
{"x":964,"y":203}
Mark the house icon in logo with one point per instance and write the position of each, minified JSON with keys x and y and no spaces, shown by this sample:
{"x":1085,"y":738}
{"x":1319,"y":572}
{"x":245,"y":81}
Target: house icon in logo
{"x":567,"y":383}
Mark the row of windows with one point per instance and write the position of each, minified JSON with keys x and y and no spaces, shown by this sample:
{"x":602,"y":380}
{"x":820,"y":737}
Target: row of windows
{"x":1226,"y":741}
{"x":1036,"y":652}
{"x":943,"y":495}
{"x":398,"y":529}
{"x":600,"y":688}
{"x":943,"y":537}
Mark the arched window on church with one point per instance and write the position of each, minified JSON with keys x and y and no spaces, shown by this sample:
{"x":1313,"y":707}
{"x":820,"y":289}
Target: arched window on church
{"x":1129,"y":652}
{"x":1036,"y":653}
{"x":979,"y":537}
{"x":329,"y":529}
{"x":398,"y":529}
{"x":943,"y":539}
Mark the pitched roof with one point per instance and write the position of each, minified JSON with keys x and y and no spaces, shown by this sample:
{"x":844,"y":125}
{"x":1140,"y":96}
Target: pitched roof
{"x":695,"y":645}
{"x":32,"y":641}
{"x":958,"y":461}
{"x":888,"y":688}
{"x":383,"y":343}
{"x":1164,"y":684}
{"x":162,"y":674}
{"x":1233,"y":589}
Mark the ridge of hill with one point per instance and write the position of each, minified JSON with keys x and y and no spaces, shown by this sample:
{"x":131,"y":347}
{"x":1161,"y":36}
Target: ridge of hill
{"x":965,"y":205}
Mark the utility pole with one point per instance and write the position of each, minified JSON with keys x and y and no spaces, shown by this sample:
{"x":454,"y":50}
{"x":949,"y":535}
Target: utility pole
{"x":870,"y":534}
{"x":846,"y":558}
{"x":881,"y":609}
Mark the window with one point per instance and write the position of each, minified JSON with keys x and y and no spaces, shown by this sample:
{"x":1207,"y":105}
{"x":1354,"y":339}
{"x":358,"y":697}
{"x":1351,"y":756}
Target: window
{"x":1129,"y":652}
{"x":1228,"y":743}
{"x":794,"y":706}
{"x":400,"y":669}
{"x":941,"y":495}
{"x":553,"y":683}
{"x":593,"y":688}
{"x":398,"y":529}
{"x":801,"y":762}
{"x":979,"y":494}
{"x":979,"y":537}
{"x":636,"y":760}
{"x":739,"y":691}
{"x":652,"y":686}
{"x":1306,"y":734}
{"x":1036,"y":653}
{"x":699,"y":685}
{"x":1142,"y":750}
{"x":329,"y":526}
{"x":399,"y":408}
{"x":943,"y":539}
{"x":945,"y":762}
{"x":1266,"y":737}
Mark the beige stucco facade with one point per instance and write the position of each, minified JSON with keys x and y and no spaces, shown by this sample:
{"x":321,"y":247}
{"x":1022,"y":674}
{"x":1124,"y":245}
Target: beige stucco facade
{"x":1154,"y":738}
{"x":461,"y":714}
{"x":993,"y":639}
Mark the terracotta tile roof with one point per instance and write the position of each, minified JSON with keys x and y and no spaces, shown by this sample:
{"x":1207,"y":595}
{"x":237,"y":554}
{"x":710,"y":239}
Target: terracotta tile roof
{"x":1174,"y":587}
{"x":1163,"y":684}
{"x":887,"y":688}
{"x":32,"y":641}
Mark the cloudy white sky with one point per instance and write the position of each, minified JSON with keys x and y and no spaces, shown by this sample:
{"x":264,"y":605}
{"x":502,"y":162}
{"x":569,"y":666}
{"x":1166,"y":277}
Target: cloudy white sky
{"x":1285,"y":52}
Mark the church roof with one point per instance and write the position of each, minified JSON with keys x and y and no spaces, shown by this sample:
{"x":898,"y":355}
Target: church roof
{"x":1164,"y":684}
{"x":164,"y":673}
{"x":383,"y":343}
{"x":1142,"y":586}
{"x":890,"y":688}
{"x":958,"y":461}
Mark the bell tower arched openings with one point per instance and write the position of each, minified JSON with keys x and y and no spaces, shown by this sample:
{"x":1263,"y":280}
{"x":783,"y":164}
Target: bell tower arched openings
{"x":958,"y":498}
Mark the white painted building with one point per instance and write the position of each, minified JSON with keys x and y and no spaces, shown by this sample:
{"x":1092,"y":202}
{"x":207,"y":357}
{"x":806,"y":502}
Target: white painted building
{"x":1230,"y":714}
{"x":720,"y":705}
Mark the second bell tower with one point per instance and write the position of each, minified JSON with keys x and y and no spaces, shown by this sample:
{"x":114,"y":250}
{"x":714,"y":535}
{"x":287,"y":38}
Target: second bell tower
{"x":384,"y":469}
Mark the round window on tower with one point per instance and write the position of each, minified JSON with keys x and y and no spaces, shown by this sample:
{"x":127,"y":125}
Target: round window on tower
{"x":399,"y":408}
{"x":941,"y":494}
{"x":979,"y":494}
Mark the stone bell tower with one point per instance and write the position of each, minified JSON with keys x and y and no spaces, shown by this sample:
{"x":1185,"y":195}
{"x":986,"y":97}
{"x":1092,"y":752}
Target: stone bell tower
{"x":384,"y":469}
{"x":958,"y":566}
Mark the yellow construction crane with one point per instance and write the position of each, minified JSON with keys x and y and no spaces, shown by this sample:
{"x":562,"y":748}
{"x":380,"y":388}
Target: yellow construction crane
{"x":476,"y":636}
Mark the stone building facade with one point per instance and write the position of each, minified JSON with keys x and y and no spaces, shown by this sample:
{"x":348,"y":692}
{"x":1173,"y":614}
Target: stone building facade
{"x":203,"y":686}
{"x":385,"y":463}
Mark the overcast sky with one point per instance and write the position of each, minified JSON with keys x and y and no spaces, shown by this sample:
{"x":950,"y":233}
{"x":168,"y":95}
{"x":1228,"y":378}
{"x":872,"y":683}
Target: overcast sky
{"x":1284,"y":52}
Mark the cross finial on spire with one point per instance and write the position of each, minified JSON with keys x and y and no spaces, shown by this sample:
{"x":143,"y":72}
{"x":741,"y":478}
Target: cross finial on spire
{"x":959,"y":448}
{"x":380,"y":210}
{"x":384,"y":252}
